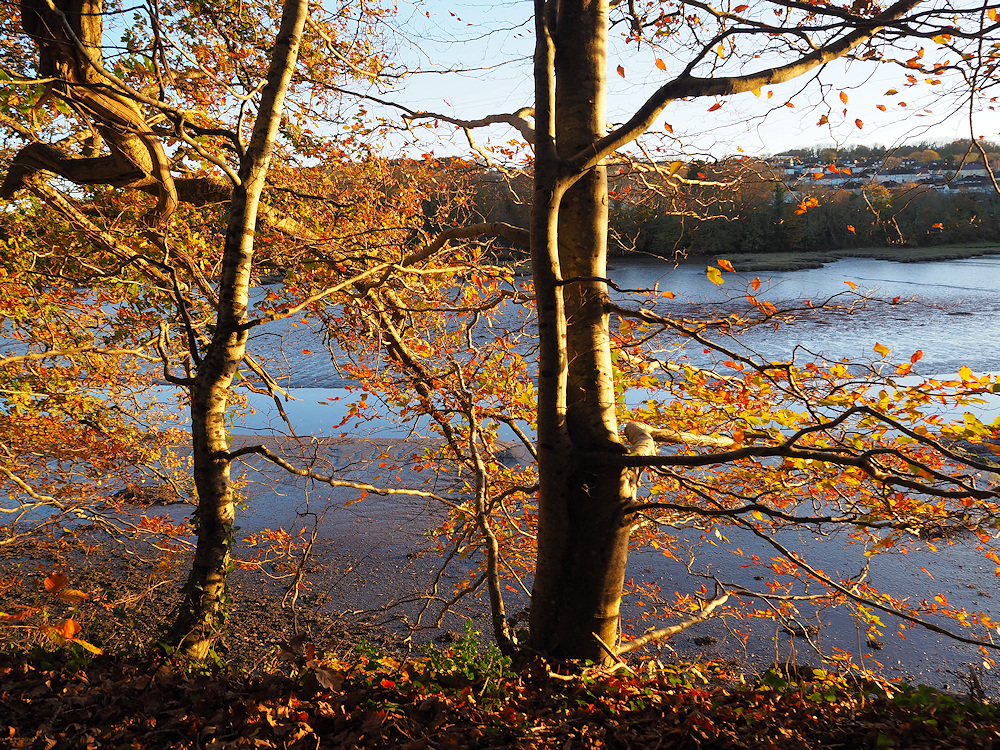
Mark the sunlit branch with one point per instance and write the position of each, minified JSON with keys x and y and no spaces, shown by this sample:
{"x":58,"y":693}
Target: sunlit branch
{"x":658,"y":635}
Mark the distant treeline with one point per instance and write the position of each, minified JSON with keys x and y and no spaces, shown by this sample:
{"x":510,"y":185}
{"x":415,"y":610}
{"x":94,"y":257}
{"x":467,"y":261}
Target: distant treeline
{"x":743,"y":205}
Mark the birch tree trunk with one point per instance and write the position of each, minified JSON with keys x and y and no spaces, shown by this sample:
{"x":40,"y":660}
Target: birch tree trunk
{"x":202,"y":613}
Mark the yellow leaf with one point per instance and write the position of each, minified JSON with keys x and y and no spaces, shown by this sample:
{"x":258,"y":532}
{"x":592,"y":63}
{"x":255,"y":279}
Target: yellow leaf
{"x":891,"y":92}
{"x":965,"y":373}
{"x":73,"y":596}
{"x":756,"y":92}
{"x":675,"y":166}
{"x":89,"y":646}
{"x":992,"y":13}
{"x":881,"y":349}
{"x":714,"y":275}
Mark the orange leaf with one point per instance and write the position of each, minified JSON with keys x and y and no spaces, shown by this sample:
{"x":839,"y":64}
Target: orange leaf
{"x":851,"y":284}
{"x":880,"y":107}
{"x":715,"y":106}
{"x":740,"y":8}
{"x":823,"y":120}
{"x":881,"y":349}
{"x":850,"y":228}
{"x":69,"y":628}
{"x":621,"y":71}
{"x":891,"y":92}
{"x":937,"y":225}
{"x":843,"y":97}
{"x":660,"y":64}
{"x":859,"y":123}
{"x":817,"y":175}
{"x":770,"y":94}
{"x":306,"y":351}
{"x":845,"y":170}
{"x":55,"y":582}
{"x":917,"y":355}
{"x":701,"y":175}
{"x":725,"y":265}
{"x":668,"y":127}
{"x":73,"y":596}
{"x":755,"y":284}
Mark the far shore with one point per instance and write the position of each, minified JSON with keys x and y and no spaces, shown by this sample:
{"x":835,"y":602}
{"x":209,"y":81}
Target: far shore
{"x":802,"y":260}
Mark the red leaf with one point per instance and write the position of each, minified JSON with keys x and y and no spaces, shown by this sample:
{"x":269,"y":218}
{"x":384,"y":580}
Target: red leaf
{"x":715,"y":106}
{"x":917,"y":355}
{"x":55,"y":582}
{"x":740,"y":8}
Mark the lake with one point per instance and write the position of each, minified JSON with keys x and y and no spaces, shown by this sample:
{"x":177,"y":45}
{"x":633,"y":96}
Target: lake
{"x":953,"y":316}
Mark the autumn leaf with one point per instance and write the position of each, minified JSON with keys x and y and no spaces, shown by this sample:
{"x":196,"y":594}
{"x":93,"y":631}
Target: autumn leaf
{"x":660,"y":64}
{"x":756,"y":92}
{"x":965,"y":373}
{"x":880,"y":107}
{"x":851,"y":284}
{"x":917,"y":356}
{"x":859,"y":124}
{"x":69,"y":628}
{"x":306,"y":351}
{"x":843,"y":97}
{"x":715,"y":106}
{"x":850,"y":228}
{"x":937,"y":225}
{"x":881,"y":349}
{"x":755,"y":283}
{"x":621,"y":71}
{"x":714,"y":275}
{"x":73,"y":596}
{"x":891,"y":92}
{"x":668,"y":127}
{"x":992,"y":13}
{"x":823,"y":120}
{"x":55,"y":582}
{"x":726,"y":265}
{"x":740,"y":8}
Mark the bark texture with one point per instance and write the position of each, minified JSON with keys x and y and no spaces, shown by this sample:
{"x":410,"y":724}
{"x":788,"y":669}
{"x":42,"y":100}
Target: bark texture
{"x":202,"y":614}
{"x":583,"y":529}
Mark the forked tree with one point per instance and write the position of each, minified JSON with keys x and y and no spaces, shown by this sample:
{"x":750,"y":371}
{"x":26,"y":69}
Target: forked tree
{"x":763,"y":445}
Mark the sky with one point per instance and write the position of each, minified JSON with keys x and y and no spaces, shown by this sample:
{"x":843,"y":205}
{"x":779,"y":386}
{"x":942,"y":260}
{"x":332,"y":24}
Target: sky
{"x":493,"y":41}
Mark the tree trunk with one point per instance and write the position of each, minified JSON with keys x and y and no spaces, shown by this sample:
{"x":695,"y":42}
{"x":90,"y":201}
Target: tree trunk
{"x":583,"y":532}
{"x":202,"y":613}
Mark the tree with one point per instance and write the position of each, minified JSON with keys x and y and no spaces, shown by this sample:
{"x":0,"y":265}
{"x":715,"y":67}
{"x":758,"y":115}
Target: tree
{"x":193,"y":111}
{"x":588,"y":471}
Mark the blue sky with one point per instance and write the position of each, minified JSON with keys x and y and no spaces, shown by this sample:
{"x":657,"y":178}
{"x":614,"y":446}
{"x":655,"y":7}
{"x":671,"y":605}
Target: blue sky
{"x":493,"y":42}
